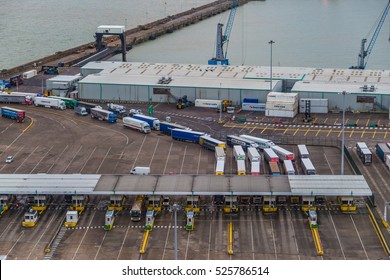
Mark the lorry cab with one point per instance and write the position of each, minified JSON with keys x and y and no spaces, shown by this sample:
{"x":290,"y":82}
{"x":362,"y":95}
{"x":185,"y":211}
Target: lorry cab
{"x":140,"y":170}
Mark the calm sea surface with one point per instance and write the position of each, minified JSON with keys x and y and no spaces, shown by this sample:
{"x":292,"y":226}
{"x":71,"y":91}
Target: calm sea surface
{"x":312,"y":33}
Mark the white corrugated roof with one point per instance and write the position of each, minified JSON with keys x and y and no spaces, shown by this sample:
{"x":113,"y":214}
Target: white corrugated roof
{"x":329,"y":185}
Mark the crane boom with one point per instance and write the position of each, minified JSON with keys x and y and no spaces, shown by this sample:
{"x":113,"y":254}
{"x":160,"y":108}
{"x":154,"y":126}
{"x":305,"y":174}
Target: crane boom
{"x":220,"y":56}
{"x":366,"y":52}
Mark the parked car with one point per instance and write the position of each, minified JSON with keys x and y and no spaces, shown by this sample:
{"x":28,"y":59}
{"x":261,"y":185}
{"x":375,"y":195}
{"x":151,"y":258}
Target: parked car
{"x":9,"y":159}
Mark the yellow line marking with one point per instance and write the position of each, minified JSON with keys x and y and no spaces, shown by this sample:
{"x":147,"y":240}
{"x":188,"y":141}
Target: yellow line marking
{"x":296,"y":131}
{"x":329,"y":133}
{"x":357,"y":121}
{"x":335,"y":121}
{"x":364,"y":131}
{"x":325,"y":120}
{"x":346,"y":120}
{"x":31,"y":123}
{"x":350,"y":135}
{"x":379,"y":121}
{"x":285,"y":130}
{"x":263,"y":130}
{"x":253,"y":129}
{"x":385,"y":136}
{"x":318,"y":132}
{"x":307,"y":131}
{"x":340,"y":132}
{"x":367,"y":122}
{"x":373,"y":136}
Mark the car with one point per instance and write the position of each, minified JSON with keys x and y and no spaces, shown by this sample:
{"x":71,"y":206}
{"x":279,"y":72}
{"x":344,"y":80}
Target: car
{"x":9,"y":159}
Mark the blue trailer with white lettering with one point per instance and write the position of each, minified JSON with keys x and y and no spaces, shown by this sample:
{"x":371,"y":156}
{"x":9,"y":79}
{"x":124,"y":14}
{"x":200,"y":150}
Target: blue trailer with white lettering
{"x":186,"y":135}
{"x":166,"y":127}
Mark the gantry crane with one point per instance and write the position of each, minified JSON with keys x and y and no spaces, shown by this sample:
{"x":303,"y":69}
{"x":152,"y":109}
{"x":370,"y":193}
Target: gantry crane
{"x":220,"y":54}
{"x":366,"y":52}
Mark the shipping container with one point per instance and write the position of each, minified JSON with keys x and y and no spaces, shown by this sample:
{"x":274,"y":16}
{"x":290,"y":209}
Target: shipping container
{"x":50,"y":102}
{"x":281,"y":106}
{"x":238,"y":153}
{"x":314,"y":110}
{"x":166,"y":127}
{"x":220,"y":167}
{"x":250,"y":100}
{"x":360,"y":146}
{"x":270,"y":156}
{"x":263,"y":143}
{"x":282,"y":153}
{"x":259,"y":107}
{"x":208,"y":103}
{"x":288,"y":167}
{"x":366,"y":156}
{"x":314,"y":102}
{"x":12,"y":113}
{"x":210,"y":143}
{"x":186,"y":135}
{"x":254,"y":158}
{"x":382,"y":150}
{"x":232,"y":140}
{"x":283,"y":97}
{"x":308,"y":167}
{"x":220,"y":153}
{"x":302,"y":151}
{"x":29,"y":74}
{"x":274,"y":168}
{"x":281,"y":113}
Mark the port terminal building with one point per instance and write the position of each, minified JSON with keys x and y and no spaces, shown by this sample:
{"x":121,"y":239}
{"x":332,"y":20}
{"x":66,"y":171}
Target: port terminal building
{"x":368,"y":90}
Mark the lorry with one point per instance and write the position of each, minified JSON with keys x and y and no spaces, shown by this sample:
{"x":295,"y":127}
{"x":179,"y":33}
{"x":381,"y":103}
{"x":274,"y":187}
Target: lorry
{"x":29,"y":74}
{"x":88,"y":106}
{"x":254,"y":158}
{"x":232,"y":140}
{"x":263,"y":143}
{"x":16,"y":98}
{"x":186,"y":135}
{"x":382,"y":150}
{"x":283,"y":154}
{"x":69,"y":102}
{"x":103,"y":115}
{"x":154,"y":123}
{"x":210,"y":143}
{"x":166,"y":127}
{"x":140,"y":170}
{"x":49,"y":103}
{"x":136,"y":124}
{"x":12,"y":113}
{"x":81,"y":111}
{"x":115,"y":108}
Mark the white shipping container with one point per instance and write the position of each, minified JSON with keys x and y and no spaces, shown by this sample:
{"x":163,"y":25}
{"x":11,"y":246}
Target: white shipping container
{"x":241,"y":170}
{"x":111,"y":29}
{"x":255,"y":167}
{"x":288,"y":167}
{"x":29,"y":74}
{"x":314,"y":102}
{"x":281,"y":113}
{"x":260,"y":107}
{"x":281,"y":106}
{"x":302,"y":151}
{"x":207,"y":103}
{"x":314,"y":110}
{"x":253,"y":155}
{"x":219,"y":153}
{"x":220,"y":167}
{"x":238,"y":153}
{"x":282,"y":96}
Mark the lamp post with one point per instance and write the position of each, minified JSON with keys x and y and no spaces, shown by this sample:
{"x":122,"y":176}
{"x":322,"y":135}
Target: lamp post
{"x":270,"y":75}
{"x":342,"y":133}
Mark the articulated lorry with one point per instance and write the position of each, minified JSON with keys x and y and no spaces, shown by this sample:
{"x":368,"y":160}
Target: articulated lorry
{"x":103,"y":115}
{"x":81,"y":111}
{"x":136,"y":124}
{"x":166,"y":127}
{"x":186,"y":135}
{"x":154,"y":123}
{"x":69,"y":102}
{"x":12,"y":113}
{"x":15,"y":98}
{"x":49,"y":103}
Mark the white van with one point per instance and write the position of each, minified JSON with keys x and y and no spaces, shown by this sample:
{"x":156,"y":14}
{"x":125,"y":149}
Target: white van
{"x":139,"y":170}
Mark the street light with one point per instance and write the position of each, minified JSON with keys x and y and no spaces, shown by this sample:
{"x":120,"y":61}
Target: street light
{"x":270,"y":75}
{"x":175,"y":207}
{"x":342,"y":133}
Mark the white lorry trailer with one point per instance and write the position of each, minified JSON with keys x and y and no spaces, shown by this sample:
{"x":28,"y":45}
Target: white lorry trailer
{"x":136,"y":124}
{"x":254,"y":158}
{"x":49,"y":103}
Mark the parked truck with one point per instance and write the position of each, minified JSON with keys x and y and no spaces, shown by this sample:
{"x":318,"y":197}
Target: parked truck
{"x":136,"y":124}
{"x":12,"y":113}
{"x":210,"y":143}
{"x":15,"y":98}
{"x":50,"y":103}
{"x":115,"y":108}
{"x":140,"y":170}
{"x":81,"y":111}
{"x":69,"y":102}
{"x":382,"y":150}
{"x":154,"y":123}
{"x":103,"y":115}
{"x":88,"y":106}
{"x":166,"y":127}
{"x":254,"y":158}
{"x":186,"y":135}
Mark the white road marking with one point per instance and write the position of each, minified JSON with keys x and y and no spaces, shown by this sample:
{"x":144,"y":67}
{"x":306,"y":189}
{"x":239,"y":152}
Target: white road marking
{"x":296,"y":243}
{"x":361,"y":242}
{"x":5,"y":129}
{"x":20,"y":236}
{"x":273,"y":237}
{"x":155,"y":149}
{"x":97,"y":171}
{"x":25,"y":160}
{"x":5,"y":164}
{"x":200,"y":155}
{"x":337,"y":235}
{"x":100,"y":246}
{"x":124,"y":238}
{"x":166,"y":240}
{"x":47,"y":227}
{"x":330,"y":166}
{"x":78,"y":247}
{"x":57,"y":159}
{"x":252,"y":241}
{"x":41,"y":159}
{"x":10,"y":224}
{"x":188,"y":242}
{"x":182,"y":163}
{"x":166,"y":162}
{"x":72,"y":159}
{"x":139,"y":151}
{"x":87,"y":160}
{"x":208,"y":253}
